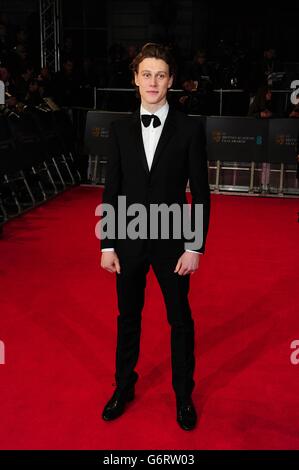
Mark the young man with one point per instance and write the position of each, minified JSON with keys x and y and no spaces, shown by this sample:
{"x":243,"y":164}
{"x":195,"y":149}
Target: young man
{"x":154,"y":153}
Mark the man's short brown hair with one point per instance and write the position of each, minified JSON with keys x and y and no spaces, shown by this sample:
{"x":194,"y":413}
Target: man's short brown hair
{"x":156,"y":51}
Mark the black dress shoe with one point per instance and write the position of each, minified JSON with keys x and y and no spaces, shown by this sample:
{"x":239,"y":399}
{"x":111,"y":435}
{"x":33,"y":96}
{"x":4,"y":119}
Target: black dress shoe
{"x":116,"y":405}
{"x":186,"y":414}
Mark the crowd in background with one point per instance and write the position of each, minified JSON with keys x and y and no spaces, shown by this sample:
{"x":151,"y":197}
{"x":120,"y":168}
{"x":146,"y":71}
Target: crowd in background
{"x":27,"y":84}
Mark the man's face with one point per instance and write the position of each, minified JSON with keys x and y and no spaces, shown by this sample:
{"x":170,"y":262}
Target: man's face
{"x":68,"y":67}
{"x":153,"y":81}
{"x":201,"y":59}
{"x":33,"y":87}
{"x":189,"y":85}
{"x":4,"y":74}
{"x":269,"y":54}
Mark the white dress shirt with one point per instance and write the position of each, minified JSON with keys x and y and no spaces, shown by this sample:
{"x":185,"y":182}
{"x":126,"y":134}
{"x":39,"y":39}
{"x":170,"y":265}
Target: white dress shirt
{"x":151,"y":134}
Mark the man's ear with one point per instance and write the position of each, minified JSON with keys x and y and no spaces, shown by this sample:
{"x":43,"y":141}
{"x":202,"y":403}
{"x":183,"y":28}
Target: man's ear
{"x":170,"y":82}
{"x":136,"y":79}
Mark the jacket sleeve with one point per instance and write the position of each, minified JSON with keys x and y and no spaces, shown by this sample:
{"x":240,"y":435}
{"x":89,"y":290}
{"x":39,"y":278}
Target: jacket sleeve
{"x":199,"y":182}
{"x":112,"y":182}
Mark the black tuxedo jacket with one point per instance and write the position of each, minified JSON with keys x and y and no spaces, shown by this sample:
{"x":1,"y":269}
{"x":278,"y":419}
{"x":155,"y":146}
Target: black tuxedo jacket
{"x":180,"y":155}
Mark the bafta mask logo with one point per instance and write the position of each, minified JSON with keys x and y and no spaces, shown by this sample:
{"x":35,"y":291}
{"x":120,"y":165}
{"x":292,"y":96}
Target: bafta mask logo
{"x":96,"y":132}
{"x":217,"y":136}
{"x":280,"y":139}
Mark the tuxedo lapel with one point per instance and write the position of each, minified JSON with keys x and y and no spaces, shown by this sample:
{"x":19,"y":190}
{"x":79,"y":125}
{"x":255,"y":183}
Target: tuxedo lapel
{"x":137,"y":138}
{"x":167,"y":132}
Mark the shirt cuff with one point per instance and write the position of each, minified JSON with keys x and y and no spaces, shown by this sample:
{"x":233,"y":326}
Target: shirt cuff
{"x":107,"y":249}
{"x":197,"y":252}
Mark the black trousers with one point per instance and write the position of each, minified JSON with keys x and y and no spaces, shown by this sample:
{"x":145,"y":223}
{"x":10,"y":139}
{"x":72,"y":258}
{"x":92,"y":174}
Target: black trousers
{"x":131,"y":284}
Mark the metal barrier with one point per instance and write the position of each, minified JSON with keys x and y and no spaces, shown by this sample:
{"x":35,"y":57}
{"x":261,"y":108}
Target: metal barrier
{"x":224,"y":101}
{"x":37,"y":160}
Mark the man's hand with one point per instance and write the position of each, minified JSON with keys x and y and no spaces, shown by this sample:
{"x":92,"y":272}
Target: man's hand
{"x":187,"y":264}
{"x":110,"y":261}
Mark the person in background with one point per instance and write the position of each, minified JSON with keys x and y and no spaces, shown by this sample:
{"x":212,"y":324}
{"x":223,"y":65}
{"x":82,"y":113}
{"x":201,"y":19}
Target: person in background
{"x":196,"y":98}
{"x":66,"y":85}
{"x":261,"y":105}
{"x":33,"y":96}
{"x":202,"y":71}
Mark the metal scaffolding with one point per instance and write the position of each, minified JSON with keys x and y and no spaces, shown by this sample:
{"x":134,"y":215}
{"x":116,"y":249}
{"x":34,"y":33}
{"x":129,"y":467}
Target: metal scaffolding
{"x":50,"y":33}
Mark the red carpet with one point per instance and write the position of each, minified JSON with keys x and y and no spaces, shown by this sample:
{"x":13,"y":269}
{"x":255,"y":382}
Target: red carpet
{"x":58,"y":324}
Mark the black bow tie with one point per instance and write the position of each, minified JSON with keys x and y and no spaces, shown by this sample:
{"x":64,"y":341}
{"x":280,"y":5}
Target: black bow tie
{"x":146,"y":120}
